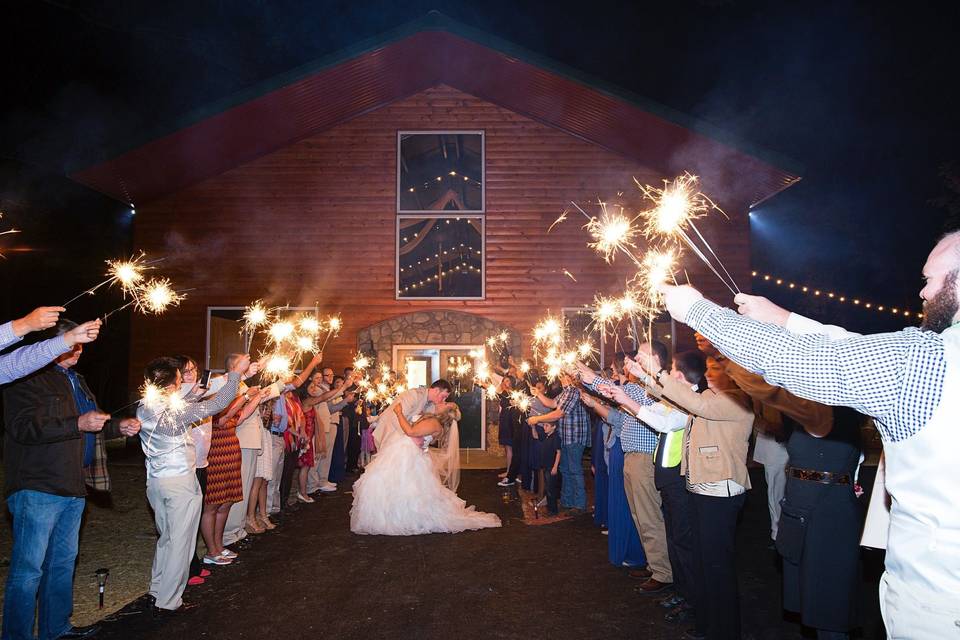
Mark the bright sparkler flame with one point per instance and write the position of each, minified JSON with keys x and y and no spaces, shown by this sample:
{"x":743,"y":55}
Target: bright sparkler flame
{"x":255,"y":315}
{"x":334,"y":323}
{"x":156,"y":295}
{"x":129,"y":273}
{"x":524,"y":367}
{"x":309,"y":324}
{"x":674,"y":206}
{"x":152,"y":396}
{"x":361,"y":363}
{"x":280,"y":331}
{"x":160,"y":401}
{"x":278,"y":366}
{"x":611,"y":232}
{"x":370,"y":395}
{"x":305,"y":343}
{"x":584,"y":349}
{"x":492,"y":392}
{"x":520,"y":400}
{"x":504,"y":337}
{"x":492,"y":341}
{"x":462,"y":369}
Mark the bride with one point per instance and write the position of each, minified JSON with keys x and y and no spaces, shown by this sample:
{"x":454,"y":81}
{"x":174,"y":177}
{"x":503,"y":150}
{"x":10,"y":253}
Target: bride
{"x":401,"y":492}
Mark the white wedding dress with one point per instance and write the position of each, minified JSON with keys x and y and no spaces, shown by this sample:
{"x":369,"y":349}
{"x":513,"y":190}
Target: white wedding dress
{"x":400,"y":494}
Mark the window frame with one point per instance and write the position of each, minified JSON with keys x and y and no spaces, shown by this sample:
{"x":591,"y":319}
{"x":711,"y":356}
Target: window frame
{"x":483,"y":257}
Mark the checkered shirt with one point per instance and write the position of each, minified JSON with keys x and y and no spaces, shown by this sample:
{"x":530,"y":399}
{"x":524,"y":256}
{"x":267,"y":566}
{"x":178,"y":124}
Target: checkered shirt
{"x":895,"y":377}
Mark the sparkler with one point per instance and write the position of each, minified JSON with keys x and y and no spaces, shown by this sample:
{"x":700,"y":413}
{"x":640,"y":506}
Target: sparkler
{"x":361,"y":362}
{"x":520,"y":400}
{"x":129,"y":273}
{"x":254,"y":316}
{"x":333,"y":325}
{"x":612,"y":232}
{"x":280,"y":331}
{"x":278,"y":367}
{"x":676,"y":206}
{"x":156,"y":295}
{"x":309,"y":325}
{"x":492,"y":392}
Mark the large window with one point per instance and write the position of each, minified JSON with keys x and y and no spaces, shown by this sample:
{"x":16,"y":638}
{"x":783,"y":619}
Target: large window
{"x":440,"y":223}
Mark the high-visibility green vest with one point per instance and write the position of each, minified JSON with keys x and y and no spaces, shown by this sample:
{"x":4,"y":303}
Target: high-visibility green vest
{"x":670,"y":449}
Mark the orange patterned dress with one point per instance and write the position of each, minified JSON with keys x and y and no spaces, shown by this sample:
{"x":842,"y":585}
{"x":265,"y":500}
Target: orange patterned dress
{"x":224,"y":484}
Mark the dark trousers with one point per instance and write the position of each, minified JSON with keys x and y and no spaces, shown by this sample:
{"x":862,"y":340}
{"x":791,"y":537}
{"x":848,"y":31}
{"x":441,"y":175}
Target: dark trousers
{"x":518,"y":427}
{"x":196,"y":564}
{"x":551,"y":486}
{"x":717,"y":599}
{"x":286,"y":478}
{"x":678,"y":519}
{"x":353,"y":442}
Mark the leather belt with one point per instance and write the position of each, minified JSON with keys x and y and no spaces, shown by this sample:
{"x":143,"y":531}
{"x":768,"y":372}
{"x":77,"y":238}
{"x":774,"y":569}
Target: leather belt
{"x":823,"y":477}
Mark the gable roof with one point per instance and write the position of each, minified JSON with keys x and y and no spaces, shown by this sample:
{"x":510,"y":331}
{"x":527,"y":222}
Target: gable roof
{"x":403,"y":62}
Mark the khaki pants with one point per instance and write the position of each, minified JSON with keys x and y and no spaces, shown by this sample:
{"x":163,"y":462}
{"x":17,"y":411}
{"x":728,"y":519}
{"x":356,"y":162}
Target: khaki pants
{"x":176,"y":504}
{"x":644,"y":501}
{"x":234,"y":530}
{"x":323,"y":466}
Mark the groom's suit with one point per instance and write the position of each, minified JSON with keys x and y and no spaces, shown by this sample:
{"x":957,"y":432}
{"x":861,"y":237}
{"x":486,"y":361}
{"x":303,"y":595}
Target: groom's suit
{"x":414,"y":402}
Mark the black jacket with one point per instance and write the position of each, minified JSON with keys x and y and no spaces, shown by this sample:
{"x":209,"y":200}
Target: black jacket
{"x":43,"y":447}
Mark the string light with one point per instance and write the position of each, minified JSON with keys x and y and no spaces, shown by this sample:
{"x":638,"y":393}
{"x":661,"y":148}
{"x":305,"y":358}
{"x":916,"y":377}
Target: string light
{"x":839,"y":298}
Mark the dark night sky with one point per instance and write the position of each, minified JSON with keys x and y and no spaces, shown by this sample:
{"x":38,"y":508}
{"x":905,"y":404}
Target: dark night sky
{"x":860,"y":95}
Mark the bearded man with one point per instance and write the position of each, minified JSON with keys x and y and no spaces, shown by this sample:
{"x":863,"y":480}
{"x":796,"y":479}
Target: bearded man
{"x":909,"y":381}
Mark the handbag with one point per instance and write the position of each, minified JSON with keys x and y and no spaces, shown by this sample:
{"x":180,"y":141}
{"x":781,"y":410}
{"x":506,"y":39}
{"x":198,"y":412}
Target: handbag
{"x":791,"y":532}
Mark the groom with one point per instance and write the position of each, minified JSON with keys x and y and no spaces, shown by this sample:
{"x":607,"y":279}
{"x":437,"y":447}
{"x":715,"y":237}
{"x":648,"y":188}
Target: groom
{"x":413,"y":402}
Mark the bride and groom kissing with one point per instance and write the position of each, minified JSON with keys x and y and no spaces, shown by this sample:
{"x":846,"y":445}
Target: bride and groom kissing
{"x":409,"y":487}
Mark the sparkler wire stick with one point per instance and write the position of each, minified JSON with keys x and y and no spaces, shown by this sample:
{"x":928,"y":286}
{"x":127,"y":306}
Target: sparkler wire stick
{"x":719,"y":262}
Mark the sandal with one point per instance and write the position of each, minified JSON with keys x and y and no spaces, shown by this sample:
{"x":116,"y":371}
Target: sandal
{"x":266,"y":523}
{"x":253,"y":527}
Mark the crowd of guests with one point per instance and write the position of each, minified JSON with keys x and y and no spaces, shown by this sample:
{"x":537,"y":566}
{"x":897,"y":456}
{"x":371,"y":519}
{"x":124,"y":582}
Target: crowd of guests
{"x":224,"y":462}
{"x":669,"y":442}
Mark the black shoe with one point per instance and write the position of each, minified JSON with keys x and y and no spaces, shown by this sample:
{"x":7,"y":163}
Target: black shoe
{"x":166,"y":613}
{"x":680,"y":615}
{"x":81,"y":632}
{"x":672,"y":602}
{"x":693,"y":634}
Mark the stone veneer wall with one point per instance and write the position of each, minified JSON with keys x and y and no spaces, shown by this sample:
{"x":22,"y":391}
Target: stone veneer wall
{"x":429,"y":328}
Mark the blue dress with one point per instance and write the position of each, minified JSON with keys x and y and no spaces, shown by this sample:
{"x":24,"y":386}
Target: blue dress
{"x":597,"y":459}
{"x":623,"y":540}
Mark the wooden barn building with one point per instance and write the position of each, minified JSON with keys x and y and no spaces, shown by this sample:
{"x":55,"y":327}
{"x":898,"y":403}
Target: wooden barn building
{"x":408,"y":184}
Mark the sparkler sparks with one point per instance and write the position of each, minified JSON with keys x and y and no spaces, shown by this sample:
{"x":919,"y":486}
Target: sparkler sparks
{"x":309,"y":325}
{"x":280,"y":331}
{"x":612,"y":232}
{"x":676,"y":205}
{"x":129,"y":273}
{"x":520,"y":400}
{"x":278,"y":367}
{"x":361,"y":362}
{"x":156,"y":295}
{"x":562,"y":218}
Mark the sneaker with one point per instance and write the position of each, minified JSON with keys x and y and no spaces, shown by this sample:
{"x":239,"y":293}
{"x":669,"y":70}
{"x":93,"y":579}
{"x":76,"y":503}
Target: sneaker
{"x":218,"y":560}
{"x":506,"y":482}
{"x":328,"y":488}
{"x":303,"y":498}
{"x":227,"y":553}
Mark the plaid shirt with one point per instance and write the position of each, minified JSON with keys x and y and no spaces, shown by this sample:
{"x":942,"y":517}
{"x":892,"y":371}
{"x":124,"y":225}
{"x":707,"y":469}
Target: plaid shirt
{"x":25,"y":360}
{"x":895,"y":377}
{"x":575,"y":423}
{"x":635,"y":435}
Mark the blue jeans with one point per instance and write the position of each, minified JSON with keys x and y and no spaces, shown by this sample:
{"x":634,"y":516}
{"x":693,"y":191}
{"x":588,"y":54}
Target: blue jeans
{"x":573,"y":493}
{"x":46,"y":529}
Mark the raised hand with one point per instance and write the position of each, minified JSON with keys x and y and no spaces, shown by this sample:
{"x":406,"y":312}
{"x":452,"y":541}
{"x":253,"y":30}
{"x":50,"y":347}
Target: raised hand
{"x":679,"y":299}
{"x":761,"y":309}
{"x":241,"y":364}
{"x":83,"y":334}
{"x":129,"y":426}
{"x":37,"y":320}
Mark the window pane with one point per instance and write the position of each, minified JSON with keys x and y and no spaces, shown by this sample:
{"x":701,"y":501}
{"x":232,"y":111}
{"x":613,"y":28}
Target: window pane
{"x":440,"y":258}
{"x":441,"y":172}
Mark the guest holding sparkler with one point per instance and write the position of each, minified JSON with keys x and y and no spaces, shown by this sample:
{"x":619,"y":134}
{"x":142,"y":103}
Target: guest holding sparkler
{"x":172,"y":488}
{"x":639,"y":442}
{"x":25,"y":360}
{"x":715,"y":467}
{"x":224,"y":479}
{"x":574,"y":437}
{"x":52,"y":428}
{"x":508,"y":416}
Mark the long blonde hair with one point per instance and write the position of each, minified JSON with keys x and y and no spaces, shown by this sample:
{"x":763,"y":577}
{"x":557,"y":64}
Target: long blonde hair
{"x":446,"y":417}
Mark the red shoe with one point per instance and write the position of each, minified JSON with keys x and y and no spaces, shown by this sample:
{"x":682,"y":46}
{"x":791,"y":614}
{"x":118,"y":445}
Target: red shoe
{"x":204,"y":573}
{"x":195,"y":580}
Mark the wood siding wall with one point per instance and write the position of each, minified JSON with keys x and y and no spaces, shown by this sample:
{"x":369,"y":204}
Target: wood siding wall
{"x":315,"y":222}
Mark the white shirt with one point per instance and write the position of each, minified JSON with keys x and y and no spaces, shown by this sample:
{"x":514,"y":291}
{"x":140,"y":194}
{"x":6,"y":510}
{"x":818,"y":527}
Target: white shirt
{"x":168,"y":446}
